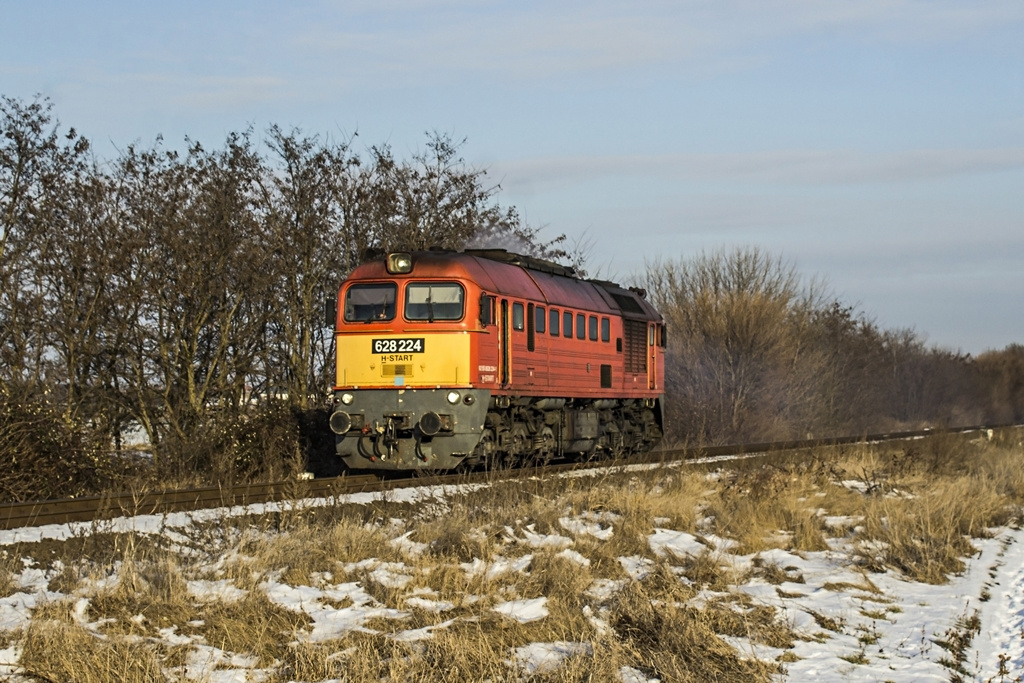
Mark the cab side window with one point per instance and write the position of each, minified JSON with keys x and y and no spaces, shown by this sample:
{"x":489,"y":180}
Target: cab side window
{"x":518,"y":316}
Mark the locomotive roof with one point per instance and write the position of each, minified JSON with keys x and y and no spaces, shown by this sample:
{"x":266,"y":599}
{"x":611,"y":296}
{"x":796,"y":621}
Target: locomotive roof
{"x":503,"y":272}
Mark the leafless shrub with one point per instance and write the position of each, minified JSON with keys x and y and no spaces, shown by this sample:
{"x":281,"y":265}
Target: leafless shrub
{"x":47,"y":454}
{"x":739,"y":366}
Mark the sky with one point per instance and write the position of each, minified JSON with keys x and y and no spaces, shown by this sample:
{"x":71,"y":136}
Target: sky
{"x":876,"y":144}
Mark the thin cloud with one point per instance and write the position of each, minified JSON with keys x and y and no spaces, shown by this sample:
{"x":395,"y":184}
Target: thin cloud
{"x":811,"y":167}
{"x":188,"y":91}
{"x":529,"y":41}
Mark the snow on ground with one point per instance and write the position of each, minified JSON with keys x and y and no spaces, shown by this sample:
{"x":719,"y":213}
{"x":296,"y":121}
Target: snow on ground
{"x":854,"y":626}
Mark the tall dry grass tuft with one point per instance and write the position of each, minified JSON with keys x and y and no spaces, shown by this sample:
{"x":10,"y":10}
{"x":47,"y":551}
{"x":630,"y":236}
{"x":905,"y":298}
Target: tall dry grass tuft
{"x":60,"y":651}
{"x":678,"y":498}
{"x":457,"y":536}
{"x":625,"y":503}
{"x":736,"y":616}
{"x":310,"y":548}
{"x":926,"y":536}
{"x":148,"y":596}
{"x":252,"y":625}
{"x":7,"y":574}
{"x":678,"y":643}
{"x":757,"y":504}
{"x":1000,"y":466}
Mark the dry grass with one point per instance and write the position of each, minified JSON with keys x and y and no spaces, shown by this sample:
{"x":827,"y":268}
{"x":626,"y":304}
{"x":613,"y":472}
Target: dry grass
{"x":913,"y":513}
{"x":253,"y":625}
{"x":60,"y":651}
{"x":316,"y":549}
{"x":8,"y":567}
{"x":676,"y":642}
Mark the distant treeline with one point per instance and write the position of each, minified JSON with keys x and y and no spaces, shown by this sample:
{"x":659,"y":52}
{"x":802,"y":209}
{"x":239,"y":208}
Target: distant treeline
{"x":180,"y":294}
{"x":757,"y":354}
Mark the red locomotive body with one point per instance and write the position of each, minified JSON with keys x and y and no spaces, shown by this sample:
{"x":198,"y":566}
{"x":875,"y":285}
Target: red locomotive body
{"x":448,"y":358}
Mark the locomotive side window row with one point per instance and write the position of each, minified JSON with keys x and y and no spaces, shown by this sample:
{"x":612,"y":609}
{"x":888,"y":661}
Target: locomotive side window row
{"x":539,"y":320}
{"x":560,"y":323}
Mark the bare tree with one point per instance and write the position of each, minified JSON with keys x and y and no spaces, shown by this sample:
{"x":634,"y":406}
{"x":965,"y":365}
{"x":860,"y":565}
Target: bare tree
{"x":1003,"y":374}
{"x":35,"y":162}
{"x":740,"y":365}
{"x":308,"y":214}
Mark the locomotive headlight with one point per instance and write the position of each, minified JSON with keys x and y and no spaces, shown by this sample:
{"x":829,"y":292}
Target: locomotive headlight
{"x":399,"y":262}
{"x":430,"y":423}
{"x":347,"y":398}
{"x":453,"y":397}
{"x":340,"y":422}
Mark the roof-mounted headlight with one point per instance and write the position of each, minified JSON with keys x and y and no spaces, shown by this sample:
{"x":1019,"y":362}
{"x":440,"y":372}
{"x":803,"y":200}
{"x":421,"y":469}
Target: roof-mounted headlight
{"x":399,"y":262}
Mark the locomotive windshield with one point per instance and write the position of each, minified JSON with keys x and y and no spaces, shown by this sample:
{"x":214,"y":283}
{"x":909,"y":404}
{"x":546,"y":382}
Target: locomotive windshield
{"x":369,"y":303}
{"x":434,"y":301}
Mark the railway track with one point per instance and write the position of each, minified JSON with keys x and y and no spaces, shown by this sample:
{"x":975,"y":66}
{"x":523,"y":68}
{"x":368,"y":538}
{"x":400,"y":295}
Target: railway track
{"x":87,"y":509}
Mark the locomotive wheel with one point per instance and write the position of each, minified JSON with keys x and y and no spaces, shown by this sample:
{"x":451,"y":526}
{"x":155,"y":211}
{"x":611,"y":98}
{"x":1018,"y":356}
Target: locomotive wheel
{"x":522,"y":442}
{"x":485,"y":452}
{"x":544,"y":445}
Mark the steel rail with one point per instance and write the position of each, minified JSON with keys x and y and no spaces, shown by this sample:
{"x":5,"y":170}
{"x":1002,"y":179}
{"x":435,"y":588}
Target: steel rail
{"x":92,"y":508}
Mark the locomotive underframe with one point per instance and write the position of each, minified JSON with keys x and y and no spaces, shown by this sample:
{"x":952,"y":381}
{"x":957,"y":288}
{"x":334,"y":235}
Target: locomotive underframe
{"x":391,"y":429}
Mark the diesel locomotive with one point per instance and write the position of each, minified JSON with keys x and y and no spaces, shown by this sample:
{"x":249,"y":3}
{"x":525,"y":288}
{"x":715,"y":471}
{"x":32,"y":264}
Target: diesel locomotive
{"x":449,"y":359}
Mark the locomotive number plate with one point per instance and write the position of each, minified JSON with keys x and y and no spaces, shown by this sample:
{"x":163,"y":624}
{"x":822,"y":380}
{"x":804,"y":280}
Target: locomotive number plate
{"x":400,"y":345}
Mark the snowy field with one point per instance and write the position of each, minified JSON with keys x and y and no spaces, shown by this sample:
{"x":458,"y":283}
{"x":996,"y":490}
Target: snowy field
{"x":849,"y":624}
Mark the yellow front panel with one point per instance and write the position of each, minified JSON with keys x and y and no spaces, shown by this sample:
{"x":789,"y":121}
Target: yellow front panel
{"x":412,"y":359}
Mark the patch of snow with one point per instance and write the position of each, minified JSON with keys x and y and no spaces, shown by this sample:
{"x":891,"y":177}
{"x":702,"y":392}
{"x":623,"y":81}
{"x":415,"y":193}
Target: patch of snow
{"x":580,"y":527}
{"x":523,"y":611}
{"x":536,"y":540}
{"x":9,"y":657}
{"x":543,"y":658}
{"x":424,"y":633}
{"x":601,"y":626}
{"x":574,"y":556}
{"x":409,"y":547}
{"x":213,"y":665}
{"x":387,"y":574}
{"x":637,"y":567}
{"x":603,"y":589}
{"x":430,"y":605}
{"x":497,"y":567}
{"x":666,"y":542}
{"x":628,"y":674}
{"x":209,"y":591}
